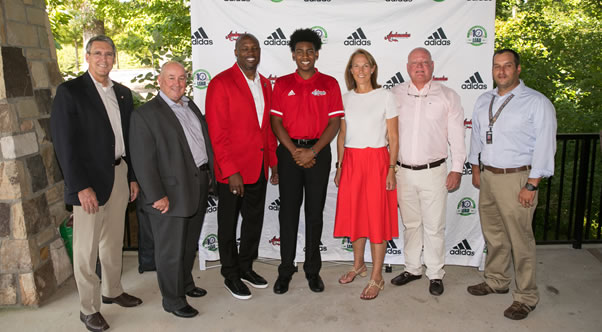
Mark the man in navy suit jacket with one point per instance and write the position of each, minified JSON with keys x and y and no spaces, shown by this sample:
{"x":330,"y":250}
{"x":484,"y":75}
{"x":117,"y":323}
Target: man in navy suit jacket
{"x":89,"y":123}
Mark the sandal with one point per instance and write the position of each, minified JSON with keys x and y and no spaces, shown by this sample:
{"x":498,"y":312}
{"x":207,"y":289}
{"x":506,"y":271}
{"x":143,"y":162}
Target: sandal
{"x":351,"y":274}
{"x":379,"y":286}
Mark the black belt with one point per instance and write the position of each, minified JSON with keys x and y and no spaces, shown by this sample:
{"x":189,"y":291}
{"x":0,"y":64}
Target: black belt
{"x":118,"y":161}
{"x":204,"y":167}
{"x":425,"y":166}
{"x":304,"y":142}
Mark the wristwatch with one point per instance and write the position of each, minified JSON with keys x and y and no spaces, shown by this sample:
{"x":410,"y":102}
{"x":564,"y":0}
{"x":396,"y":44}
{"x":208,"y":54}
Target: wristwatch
{"x":530,"y":187}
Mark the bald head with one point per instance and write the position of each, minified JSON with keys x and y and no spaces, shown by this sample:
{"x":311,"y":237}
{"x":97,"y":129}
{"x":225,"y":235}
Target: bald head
{"x":420,"y":66}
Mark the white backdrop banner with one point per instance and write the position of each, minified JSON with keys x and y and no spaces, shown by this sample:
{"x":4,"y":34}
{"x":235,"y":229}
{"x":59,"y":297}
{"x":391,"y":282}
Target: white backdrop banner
{"x":458,"y":33}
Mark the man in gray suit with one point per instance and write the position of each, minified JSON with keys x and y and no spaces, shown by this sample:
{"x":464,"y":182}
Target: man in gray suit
{"x":172,"y":158}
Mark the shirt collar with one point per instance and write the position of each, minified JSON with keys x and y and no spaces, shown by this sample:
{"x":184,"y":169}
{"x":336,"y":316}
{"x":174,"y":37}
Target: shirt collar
{"x":516,"y":91}
{"x":172,"y":103}
{"x":256,"y":80}
{"x":100,"y":84}
{"x":428,"y":86}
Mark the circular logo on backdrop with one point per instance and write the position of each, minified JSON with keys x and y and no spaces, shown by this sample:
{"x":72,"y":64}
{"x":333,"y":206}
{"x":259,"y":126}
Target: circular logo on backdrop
{"x":346,"y":244}
{"x":466,"y":207}
{"x":201,"y":78}
{"x":321,"y":32}
{"x":210,"y":242}
{"x":276,"y":0}
{"x":476,"y":36}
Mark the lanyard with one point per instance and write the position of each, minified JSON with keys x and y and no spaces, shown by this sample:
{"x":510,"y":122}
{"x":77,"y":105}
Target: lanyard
{"x":493,"y":118}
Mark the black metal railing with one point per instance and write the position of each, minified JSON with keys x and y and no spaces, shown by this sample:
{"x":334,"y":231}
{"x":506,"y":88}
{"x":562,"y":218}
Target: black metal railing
{"x":570,"y":201}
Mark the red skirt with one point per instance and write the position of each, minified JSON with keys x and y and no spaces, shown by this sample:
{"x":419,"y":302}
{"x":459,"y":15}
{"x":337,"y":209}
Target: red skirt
{"x":365,"y":208}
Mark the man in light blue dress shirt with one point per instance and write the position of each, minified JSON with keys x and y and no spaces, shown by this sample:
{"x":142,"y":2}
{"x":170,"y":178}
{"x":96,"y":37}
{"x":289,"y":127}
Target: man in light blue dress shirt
{"x":512,"y":148}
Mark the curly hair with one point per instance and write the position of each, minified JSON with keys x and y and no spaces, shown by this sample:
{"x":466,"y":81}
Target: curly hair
{"x":305,"y":35}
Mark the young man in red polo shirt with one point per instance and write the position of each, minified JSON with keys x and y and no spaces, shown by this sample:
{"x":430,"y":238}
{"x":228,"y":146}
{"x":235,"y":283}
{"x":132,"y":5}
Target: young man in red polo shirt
{"x":306,"y":112}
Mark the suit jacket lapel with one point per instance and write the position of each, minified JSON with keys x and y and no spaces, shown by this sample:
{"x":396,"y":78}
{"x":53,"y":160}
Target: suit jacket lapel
{"x":171,"y":117}
{"x":241,"y":84}
{"x":95,"y":99}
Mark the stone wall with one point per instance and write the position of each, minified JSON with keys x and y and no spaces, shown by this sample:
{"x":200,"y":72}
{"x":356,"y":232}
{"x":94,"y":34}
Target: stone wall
{"x":33,"y":260}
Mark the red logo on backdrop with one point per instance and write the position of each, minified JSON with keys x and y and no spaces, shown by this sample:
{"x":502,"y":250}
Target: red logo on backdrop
{"x":394,"y":37}
{"x":275,"y":241}
{"x":468,"y":123}
{"x":272,"y":79}
{"x":233,"y":36}
{"x":440,"y":78}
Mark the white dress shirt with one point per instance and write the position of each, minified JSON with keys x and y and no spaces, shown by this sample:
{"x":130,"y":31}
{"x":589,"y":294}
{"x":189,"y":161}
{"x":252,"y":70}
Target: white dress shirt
{"x":524,"y":133}
{"x":109,"y":100}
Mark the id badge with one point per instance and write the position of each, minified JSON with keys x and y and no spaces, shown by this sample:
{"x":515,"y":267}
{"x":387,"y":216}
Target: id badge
{"x":489,"y":137}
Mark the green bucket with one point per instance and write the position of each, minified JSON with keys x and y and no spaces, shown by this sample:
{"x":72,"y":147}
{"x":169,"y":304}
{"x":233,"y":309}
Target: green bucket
{"x":66,"y":230}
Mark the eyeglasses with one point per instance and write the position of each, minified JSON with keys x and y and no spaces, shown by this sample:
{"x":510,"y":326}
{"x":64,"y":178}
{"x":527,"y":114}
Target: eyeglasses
{"x":99,"y":54}
{"x":420,"y":96}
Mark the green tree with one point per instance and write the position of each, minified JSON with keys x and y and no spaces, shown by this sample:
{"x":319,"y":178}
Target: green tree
{"x":558,"y":41}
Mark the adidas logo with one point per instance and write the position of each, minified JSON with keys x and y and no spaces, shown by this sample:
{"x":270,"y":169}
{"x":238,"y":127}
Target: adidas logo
{"x":467,"y":170}
{"x":211,"y":204}
{"x":392,"y":248}
{"x":438,"y":38}
{"x":357,"y":38}
{"x":322,"y":247}
{"x":291,"y":93}
{"x":462,"y":248}
{"x":276,"y":38}
{"x":396,"y":79}
{"x":474,"y":82}
{"x":199,"y":37}
{"x":275,"y":205}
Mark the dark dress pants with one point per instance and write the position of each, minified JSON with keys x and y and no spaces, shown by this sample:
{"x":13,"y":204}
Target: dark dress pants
{"x":251,"y":207}
{"x":176,"y":243}
{"x":294,"y":180}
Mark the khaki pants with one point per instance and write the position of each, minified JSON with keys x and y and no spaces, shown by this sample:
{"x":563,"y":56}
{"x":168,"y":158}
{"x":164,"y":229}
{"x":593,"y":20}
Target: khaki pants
{"x":422,"y":199}
{"x":507,"y":230}
{"x":100,"y":235}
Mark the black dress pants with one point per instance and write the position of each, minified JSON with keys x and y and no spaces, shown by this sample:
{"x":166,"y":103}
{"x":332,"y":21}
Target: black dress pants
{"x":251,"y":207}
{"x":294,"y":181}
{"x":176,"y":243}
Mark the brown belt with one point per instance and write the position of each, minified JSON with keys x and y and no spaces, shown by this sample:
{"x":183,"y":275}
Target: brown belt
{"x":425,"y":166}
{"x":496,"y":170}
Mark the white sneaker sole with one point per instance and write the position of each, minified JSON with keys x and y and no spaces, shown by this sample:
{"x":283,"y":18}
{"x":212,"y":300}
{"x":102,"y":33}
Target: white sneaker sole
{"x":240,"y":297}
{"x":254,"y":285}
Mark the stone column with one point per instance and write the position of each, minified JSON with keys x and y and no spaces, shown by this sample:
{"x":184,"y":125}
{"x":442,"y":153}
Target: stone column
{"x":33,"y":260}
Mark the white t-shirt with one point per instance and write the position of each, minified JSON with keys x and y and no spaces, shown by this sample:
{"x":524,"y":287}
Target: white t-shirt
{"x":366,"y":117}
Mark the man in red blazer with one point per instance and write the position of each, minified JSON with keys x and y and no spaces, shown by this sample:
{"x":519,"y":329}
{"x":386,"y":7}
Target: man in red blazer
{"x":237,"y":109}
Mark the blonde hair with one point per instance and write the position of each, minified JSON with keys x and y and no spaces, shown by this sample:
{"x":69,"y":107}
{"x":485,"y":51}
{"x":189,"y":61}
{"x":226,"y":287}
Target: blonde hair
{"x":349,"y":77}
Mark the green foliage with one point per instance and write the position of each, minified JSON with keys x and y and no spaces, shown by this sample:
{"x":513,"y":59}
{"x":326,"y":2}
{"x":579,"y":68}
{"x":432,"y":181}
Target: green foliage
{"x":558,"y":41}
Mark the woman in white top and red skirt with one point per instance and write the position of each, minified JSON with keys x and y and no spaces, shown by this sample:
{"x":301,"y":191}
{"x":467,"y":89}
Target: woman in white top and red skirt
{"x":367,"y":198}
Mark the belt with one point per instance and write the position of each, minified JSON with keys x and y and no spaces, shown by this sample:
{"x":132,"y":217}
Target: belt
{"x":496,"y":170}
{"x":304,"y":142}
{"x":425,"y":166}
{"x":204,"y":167}
{"x":118,"y":161}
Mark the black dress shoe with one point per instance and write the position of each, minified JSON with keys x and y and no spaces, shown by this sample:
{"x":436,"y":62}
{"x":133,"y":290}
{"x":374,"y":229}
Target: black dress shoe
{"x":436,"y":287}
{"x":196,"y":292}
{"x":94,"y":322}
{"x":281,"y":285}
{"x":185,"y":312}
{"x":124,"y":300}
{"x":253,"y":279}
{"x":404,"y":278}
{"x":238,"y":289}
{"x":315,"y":283}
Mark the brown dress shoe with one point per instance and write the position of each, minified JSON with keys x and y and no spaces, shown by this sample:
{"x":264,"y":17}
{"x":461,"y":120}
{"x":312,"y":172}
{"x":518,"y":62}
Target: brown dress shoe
{"x":484,"y":289}
{"x":124,"y":300}
{"x":94,"y":322}
{"x":518,"y":311}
